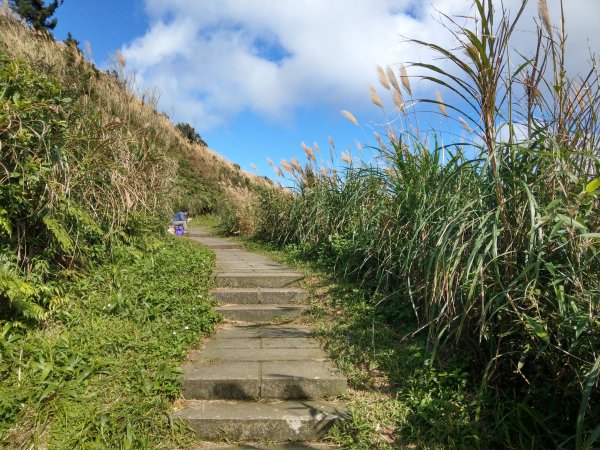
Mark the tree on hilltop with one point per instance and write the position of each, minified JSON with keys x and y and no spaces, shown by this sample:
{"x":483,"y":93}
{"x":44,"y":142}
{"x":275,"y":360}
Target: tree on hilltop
{"x":36,"y":13}
{"x":70,"y":41}
{"x":190,"y":133}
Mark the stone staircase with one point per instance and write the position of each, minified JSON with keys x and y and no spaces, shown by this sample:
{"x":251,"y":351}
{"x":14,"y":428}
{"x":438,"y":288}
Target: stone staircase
{"x":259,"y":379}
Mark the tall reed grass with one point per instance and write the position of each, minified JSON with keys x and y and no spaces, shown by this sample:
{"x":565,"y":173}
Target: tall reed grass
{"x":494,"y":243}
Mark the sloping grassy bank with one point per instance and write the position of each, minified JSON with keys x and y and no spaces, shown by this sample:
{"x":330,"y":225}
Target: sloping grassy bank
{"x":103,"y":370}
{"x":85,"y":165}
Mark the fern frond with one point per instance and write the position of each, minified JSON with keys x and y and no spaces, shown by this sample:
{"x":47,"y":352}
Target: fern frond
{"x":29,"y":309}
{"x":4,"y":223}
{"x":83,"y":217}
{"x":59,"y":232}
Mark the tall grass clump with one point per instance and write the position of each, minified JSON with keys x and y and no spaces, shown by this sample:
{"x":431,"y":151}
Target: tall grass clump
{"x":493,"y":241}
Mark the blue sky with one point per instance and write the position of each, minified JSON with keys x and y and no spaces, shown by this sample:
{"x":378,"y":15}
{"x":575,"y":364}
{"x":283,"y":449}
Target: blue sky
{"x":258,"y":77}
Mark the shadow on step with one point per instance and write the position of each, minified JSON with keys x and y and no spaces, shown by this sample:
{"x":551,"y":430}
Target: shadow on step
{"x":231,"y":391}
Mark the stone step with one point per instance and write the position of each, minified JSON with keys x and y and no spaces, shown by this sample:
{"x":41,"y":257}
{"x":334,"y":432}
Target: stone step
{"x":269,"y":446}
{"x":214,"y":243}
{"x":237,"y":380}
{"x":261,"y":421}
{"x":213,"y":354}
{"x":287,"y":331}
{"x":222,"y":245}
{"x":256,"y":342}
{"x":271,"y":279}
{"x":245,"y":296}
{"x":198,"y":234}
{"x":260,"y":313}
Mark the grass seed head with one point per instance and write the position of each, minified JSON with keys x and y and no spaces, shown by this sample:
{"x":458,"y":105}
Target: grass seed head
{"x":398,"y":101}
{"x":382,"y":78}
{"x":296,"y":165}
{"x":440,"y":102}
{"x":392,"y":78}
{"x":286,"y":166}
{"x":545,"y":16}
{"x":348,"y":115}
{"x":465,"y":124}
{"x":359,"y":146}
{"x":331,"y":141}
{"x":310,"y":155}
{"x":382,"y":145}
{"x":375,"y":97}
{"x":405,"y":80}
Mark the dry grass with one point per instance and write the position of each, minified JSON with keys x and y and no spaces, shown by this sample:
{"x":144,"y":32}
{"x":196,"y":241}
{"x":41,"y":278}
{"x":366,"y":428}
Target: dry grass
{"x":135,"y":117}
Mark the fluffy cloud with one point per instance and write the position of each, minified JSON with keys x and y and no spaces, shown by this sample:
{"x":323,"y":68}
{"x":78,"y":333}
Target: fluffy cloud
{"x":213,"y":59}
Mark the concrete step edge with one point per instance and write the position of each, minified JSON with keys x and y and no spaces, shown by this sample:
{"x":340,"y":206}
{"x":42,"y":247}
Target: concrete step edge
{"x":262,"y":307}
{"x":257,"y":279}
{"x":251,"y":389}
{"x":260,"y":313}
{"x":257,"y":296}
{"x":261,"y":421}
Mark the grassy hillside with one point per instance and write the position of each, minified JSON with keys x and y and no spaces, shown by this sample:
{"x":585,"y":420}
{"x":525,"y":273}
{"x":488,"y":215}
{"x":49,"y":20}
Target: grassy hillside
{"x":98,"y":306}
{"x":85,"y":164}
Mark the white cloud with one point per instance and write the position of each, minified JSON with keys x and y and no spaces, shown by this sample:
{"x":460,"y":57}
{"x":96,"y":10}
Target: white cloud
{"x":213,"y":59}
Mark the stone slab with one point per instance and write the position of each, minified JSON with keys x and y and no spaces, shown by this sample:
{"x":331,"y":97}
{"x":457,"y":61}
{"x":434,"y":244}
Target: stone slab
{"x":275,"y":380}
{"x":269,"y":279}
{"x":255,"y":342}
{"x":260,"y":354}
{"x":260,"y":313}
{"x":299,"y":380}
{"x":234,"y":343}
{"x":199,"y":235}
{"x":269,"y":446}
{"x":222,"y":380}
{"x":295,"y":342}
{"x":261,"y":421}
{"x":289,"y":295}
{"x":263,"y":331}
{"x":248,"y":296}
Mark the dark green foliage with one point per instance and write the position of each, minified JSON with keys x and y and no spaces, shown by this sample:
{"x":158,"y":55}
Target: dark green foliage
{"x":33,"y":219}
{"x":37,"y":13}
{"x":190,"y":133}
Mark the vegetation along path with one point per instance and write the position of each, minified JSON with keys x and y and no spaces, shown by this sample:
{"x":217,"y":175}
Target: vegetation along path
{"x":263,"y":377}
